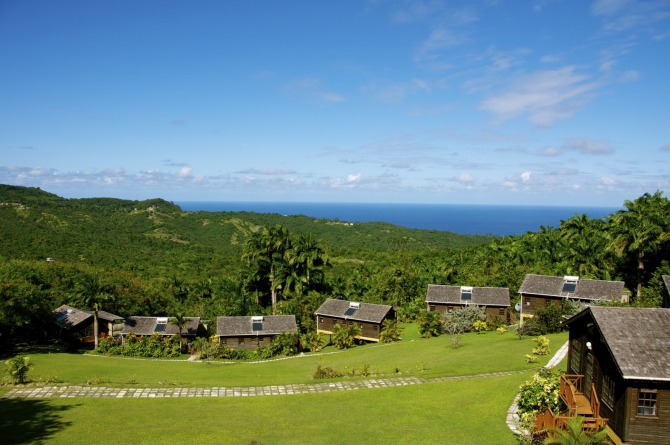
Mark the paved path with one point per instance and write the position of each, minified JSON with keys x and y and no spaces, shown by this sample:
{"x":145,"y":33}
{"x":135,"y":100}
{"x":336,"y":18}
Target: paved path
{"x":513,"y":411}
{"x":41,"y":392}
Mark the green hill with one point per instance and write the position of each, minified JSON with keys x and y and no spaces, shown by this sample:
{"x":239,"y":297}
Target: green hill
{"x":114,"y":232}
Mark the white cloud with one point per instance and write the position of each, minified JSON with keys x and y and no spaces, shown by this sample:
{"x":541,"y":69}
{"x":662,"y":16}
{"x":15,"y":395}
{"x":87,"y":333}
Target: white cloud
{"x":354,"y":178}
{"x":607,"y":7}
{"x":587,"y":146}
{"x":185,"y":171}
{"x":525,"y":176}
{"x":465,"y":178}
{"x":551,"y":151}
{"x":607,"y":180}
{"x":544,"y":96}
{"x":630,"y":76}
{"x":267,"y":171}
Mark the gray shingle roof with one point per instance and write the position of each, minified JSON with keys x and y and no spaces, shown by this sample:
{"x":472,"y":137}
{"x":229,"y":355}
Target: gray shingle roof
{"x":147,"y":325}
{"x":272,"y":325}
{"x":638,"y":338}
{"x":373,"y":313}
{"x":69,"y":317}
{"x":586,"y":289}
{"x":666,"y":280}
{"x":482,"y":296}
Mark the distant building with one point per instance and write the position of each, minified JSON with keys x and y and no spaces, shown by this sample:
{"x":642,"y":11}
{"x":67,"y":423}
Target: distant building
{"x":148,"y":326}
{"x":541,"y":290}
{"x":445,"y":299}
{"x":81,"y":322}
{"x":251,"y":332}
{"x":368,"y":317}
{"x":666,"y":295}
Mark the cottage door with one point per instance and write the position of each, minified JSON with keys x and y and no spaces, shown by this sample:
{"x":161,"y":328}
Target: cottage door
{"x":588,"y":375}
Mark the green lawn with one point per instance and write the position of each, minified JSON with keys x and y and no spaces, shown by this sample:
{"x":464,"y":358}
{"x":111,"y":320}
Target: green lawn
{"x":478,"y":353}
{"x":455,"y":412}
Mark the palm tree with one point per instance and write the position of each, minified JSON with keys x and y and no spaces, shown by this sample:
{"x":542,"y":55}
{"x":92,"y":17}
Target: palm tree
{"x":574,"y":434}
{"x":309,"y":255}
{"x":267,"y":248}
{"x":93,"y":293}
{"x":640,"y":229}
{"x":180,"y":321}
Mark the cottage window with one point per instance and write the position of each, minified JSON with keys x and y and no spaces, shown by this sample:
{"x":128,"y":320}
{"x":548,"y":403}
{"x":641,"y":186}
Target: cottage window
{"x":576,"y":356}
{"x":321,"y":320}
{"x":223,"y":341}
{"x":646,"y":402}
{"x":527,"y":300}
{"x":361,"y":326}
{"x":240,"y":341}
{"x":374,"y":328}
{"x":450,"y":309}
{"x":608,"y":390}
{"x":547,"y":302}
{"x":501,"y":311}
{"x":432,"y":307}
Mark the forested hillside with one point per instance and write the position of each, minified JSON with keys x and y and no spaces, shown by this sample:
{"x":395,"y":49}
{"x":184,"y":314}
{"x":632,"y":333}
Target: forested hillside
{"x":150,"y":258}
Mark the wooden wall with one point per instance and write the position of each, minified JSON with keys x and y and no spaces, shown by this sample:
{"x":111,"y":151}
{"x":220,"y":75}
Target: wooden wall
{"x":649,"y":429}
{"x":250,"y":342}
{"x":491,"y":311}
{"x":537,"y":301}
{"x":368,"y":330}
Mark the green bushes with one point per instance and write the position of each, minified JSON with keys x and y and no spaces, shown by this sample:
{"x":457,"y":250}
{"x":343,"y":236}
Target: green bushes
{"x":390,"y":332}
{"x":284,"y":344}
{"x":343,"y":337}
{"x":312,"y":341}
{"x":541,"y":345}
{"x":154,"y":346}
{"x":431,"y":324}
{"x":17,"y":368}
{"x":539,"y":394}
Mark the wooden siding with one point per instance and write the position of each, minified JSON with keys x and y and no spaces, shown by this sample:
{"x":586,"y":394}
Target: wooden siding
{"x":369,"y":331}
{"x":536,"y":302}
{"x":250,"y":342}
{"x":491,"y":311}
{"x":649,"y":429}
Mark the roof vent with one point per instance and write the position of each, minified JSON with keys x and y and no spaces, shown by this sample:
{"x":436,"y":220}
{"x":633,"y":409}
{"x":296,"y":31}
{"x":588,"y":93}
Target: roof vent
{"x":161,"y":320}
{"x":466,"y":293}
{"x":69,"y":311}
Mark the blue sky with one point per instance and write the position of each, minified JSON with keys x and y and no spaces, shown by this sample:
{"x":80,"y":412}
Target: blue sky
{"x":488,"y":102}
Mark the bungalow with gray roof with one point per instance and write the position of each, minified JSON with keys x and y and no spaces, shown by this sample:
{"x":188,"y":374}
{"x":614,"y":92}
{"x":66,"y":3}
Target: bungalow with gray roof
{"x":445,"y":299}
{"x":542,"y":290}
{"x":254,"y":331}
{"x":147,"y":326}
{"x":367,"y":316}
{"x":81,"y":322}
{"x":619,"y":365}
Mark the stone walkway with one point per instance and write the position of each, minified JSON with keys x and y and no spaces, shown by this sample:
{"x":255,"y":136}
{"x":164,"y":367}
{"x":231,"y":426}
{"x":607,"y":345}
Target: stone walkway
{"x":513,"y":411}
{"x":41,"y":392}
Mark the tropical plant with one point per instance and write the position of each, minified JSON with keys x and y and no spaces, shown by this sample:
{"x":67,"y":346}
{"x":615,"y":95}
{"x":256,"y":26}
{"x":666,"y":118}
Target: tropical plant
{"x":390,"y":332}
{"x":312,"y":341}
{"x":344,"y":337}
{"x":93,"y":293}
{"x":17,"y":368}
{"x":575,"y":434}
{"x":539,"y":394}
{"x":541,"y":345}
{"x":180,"y":322}
{"x":431,"y":324}
{"x":479,"y":326}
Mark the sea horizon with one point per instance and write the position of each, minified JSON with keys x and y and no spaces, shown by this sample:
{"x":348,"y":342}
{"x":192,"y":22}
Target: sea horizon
{"x":469,"y":219}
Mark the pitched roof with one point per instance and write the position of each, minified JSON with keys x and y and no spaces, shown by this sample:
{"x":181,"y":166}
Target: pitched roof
{"x":585,"y":290}
{"x":147,"y":326}
{"x":374,"y":313}
{"x":638,"y":339}
{"x":272,"y":325}
{"x":482,"y":296}
{"x":69,"y":317}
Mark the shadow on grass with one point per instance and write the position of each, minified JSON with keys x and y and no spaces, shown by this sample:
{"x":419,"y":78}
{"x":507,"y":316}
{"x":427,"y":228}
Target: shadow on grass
{"x":30,"y":421}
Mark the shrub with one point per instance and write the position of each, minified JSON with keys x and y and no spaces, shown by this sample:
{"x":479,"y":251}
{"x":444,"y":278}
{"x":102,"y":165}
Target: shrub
{"x":454,"y":326}
{"x":550,"y":319}
{"x":479,"y":326}
{"x":312,"y":341}
{"x":325,"y":373}
{"x":344,"y":337}
{"x":17,"y":368}
{"x":502,"y":329}
{"x":530,"y":327}
{"x":431,"y":324}
{"x":285,"y":344}
{"x":390,"y":332}
{"x":542,"y":345}
{"x":539,"y":394}
{"x":496,"y":323}
{"x":468,"y":315}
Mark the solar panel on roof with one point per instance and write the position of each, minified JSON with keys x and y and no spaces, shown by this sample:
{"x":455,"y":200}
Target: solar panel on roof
{"x":569,"y":287}
{"x":466,"y":295}
{"x":257,"y":326}
{"x":350,"y":311}
{"x":160,"y":327}
{"x":61,"y":317}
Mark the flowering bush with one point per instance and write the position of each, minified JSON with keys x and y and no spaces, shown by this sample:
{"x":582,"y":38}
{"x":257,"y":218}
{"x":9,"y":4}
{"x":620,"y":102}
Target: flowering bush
{"x":539,"y":394}
{"x":541,"y":345}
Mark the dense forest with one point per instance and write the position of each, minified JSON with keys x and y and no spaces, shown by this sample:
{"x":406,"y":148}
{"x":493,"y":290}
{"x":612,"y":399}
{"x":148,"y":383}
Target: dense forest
{"x":151,"y":258}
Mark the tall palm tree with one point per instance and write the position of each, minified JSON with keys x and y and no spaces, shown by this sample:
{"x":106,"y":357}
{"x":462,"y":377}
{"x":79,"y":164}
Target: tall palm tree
{"x":267,"y":248}
{"x":308,"y":256}
{"x":180,"y":321}
{"x":93,"y":293}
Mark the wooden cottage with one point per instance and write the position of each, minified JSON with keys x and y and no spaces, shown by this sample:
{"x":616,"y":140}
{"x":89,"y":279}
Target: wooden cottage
{"x":251,"y":332}
{"x":619,"y":373}
{"x":147,"y":326}
{"x":541,"y":290}
{"x":445,"y":299}
{"x":368,"y":317}
{"x":81,"y":322}
{"x":666,"y":295}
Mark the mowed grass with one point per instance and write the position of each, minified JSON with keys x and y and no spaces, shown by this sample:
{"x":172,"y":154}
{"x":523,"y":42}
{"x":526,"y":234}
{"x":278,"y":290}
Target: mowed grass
{"x":477,"y":354}
{"x":463,"y":412}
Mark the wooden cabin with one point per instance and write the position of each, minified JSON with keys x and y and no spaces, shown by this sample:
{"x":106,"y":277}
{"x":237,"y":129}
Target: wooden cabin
{"x":147,"y":326}
{"x":446,"y":299}
{"x":81,"y":322}
{"x":666,"y":295}
{"x":619,"y":372}
{"x":251,"y":332}
{"x":542,"y":290}
{"x":368,"y":317}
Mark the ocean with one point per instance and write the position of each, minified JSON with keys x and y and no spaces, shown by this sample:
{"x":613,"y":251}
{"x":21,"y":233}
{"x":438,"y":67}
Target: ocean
{"x":467,"y":219}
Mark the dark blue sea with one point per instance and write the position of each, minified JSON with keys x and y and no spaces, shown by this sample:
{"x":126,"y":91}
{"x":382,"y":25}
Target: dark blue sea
{"x":468,"y":219}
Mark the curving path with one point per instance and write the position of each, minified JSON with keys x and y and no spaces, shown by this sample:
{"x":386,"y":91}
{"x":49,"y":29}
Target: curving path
{"x":41,"y":392}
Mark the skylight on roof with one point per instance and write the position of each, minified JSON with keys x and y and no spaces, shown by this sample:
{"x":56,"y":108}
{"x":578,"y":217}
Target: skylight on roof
{"x":569,"y":284}
{"x":160,"y":327}
{"x":466,"y":293}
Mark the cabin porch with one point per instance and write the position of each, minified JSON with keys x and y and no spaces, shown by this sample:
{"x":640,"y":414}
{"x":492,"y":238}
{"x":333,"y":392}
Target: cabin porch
{"x":577,"y":404}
